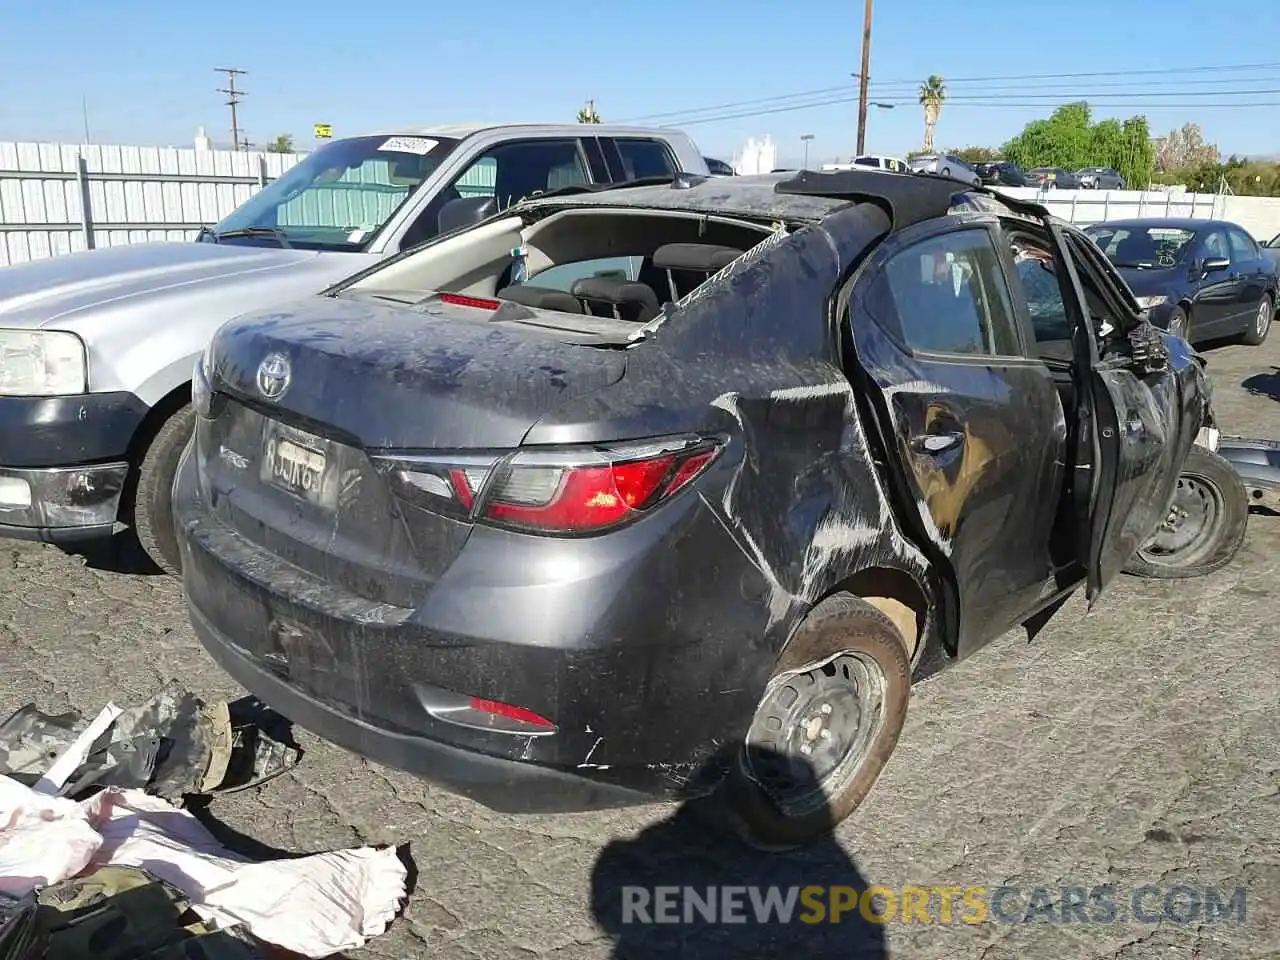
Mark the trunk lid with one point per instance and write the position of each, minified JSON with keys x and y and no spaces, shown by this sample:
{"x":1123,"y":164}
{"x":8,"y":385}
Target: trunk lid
{"x":349,"y":383}
{"x":430,"y":377}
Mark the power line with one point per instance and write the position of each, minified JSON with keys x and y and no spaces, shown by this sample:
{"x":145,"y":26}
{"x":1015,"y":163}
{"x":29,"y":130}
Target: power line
{"x":1146,"y":105}
{"x":233,"y":99}
{"x":1162,"y":71}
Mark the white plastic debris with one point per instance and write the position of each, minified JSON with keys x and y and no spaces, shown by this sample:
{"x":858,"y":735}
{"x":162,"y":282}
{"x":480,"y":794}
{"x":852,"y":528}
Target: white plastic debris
{"x":76,"y":754}
{"x":315,"y":906}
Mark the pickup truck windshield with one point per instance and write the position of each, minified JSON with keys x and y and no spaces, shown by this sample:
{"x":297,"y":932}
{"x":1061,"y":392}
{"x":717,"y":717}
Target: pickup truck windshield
{"x":337,"y":197}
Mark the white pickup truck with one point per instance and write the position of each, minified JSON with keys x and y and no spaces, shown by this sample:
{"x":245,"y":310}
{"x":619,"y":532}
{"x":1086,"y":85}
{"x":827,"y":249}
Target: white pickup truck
{"x":97,"y":348}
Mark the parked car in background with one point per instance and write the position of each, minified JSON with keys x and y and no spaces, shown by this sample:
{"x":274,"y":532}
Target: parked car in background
{"x":97,"y":347}
{"x":945,"y":165}
{"x":877,"y":161}
{"x":718,"y":168}
{"x":1052,"y":178}
{"x":1199,"y":279}
{"x":1000,"y":173}
{"x":1100,"y":178}
{"x":507,"y":535}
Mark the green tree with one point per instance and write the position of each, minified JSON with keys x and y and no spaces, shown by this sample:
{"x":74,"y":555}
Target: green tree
{"x":972,"y":155}
{"x":933,"y":92}
{"x":1069,"y":139}
{"x":281,"y":144}
{"x":1138,"y":165}
{"x":588,"y":113}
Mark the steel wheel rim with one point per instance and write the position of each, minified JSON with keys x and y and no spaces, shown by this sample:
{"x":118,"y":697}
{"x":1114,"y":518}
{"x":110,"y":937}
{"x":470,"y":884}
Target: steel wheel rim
{"x":1263,"y":320}
{"x":1186,"y":533}
{"x":836,"y":709}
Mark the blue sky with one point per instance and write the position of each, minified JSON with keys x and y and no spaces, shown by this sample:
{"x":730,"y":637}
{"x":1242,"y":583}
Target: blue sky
{"x":147,"y":68}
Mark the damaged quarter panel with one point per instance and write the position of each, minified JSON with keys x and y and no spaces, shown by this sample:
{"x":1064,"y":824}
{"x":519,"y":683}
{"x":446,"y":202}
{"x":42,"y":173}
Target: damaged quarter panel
{"x":752,"y":356}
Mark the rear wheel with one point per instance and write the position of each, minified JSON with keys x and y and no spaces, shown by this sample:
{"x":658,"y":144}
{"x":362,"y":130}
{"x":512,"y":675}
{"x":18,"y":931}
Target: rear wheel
{"x":824,"y":729}
{"x":1205,"y":525}
{"x":1261,"y":325}
{"x":152,"y":506}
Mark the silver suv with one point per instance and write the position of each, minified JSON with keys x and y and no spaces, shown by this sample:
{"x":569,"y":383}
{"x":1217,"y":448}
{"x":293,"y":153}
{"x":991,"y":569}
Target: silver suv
{"x":946,"y":165}
{"x":97,"y":348}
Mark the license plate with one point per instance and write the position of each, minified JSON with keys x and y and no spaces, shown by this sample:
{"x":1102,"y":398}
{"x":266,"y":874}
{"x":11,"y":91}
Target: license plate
{"x":294,"y":466}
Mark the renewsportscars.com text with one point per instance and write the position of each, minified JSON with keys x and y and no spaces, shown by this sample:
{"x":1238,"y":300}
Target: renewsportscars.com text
{"x":1107,"y":903}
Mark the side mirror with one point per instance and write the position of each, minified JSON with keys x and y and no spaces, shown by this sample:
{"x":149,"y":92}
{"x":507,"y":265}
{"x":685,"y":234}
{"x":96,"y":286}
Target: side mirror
{"x":1214,"y":264}
{"x":464,"y":212}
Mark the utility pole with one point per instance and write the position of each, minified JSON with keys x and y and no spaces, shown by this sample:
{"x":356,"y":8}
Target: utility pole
{"x":864,"y":76}
{"x":233,"y":98}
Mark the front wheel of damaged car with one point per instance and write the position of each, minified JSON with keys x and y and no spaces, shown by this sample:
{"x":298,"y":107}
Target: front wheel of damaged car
{"x":826,"y":725}
{"x":1204,"y":527}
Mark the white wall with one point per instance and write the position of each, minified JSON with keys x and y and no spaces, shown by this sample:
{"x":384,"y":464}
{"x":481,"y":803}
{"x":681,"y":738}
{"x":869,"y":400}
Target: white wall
{"x":1259,"y":215}
{"x":139,"y":194}
{"x":131,"y":194}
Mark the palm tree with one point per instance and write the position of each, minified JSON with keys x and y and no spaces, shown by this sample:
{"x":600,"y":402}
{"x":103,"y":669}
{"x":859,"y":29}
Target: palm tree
{"x":281,"y":144}
{"x":932,"y":93}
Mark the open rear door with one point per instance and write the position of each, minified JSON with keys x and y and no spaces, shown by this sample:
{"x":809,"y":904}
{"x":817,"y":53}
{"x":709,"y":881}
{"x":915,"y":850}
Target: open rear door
{"x":1137,"y":416}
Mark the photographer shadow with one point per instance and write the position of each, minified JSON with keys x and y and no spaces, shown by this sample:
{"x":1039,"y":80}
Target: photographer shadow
{"x":690,"y":887}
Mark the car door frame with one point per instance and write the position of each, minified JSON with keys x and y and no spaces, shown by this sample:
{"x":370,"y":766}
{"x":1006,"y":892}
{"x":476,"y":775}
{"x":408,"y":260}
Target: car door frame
{"x":1255,"y":277}
{"x":1214,"y":295}
{"x":1115,"y":415}
{"x":977,"y":624}
{"x":613,"y":155}
{"x":461,"y":159}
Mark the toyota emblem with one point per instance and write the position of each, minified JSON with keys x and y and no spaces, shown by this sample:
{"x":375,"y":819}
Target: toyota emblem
{"x":273,"y":376}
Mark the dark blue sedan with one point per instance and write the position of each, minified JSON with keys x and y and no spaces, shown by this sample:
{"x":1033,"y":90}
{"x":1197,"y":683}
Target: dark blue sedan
{"x":1200,"y":279}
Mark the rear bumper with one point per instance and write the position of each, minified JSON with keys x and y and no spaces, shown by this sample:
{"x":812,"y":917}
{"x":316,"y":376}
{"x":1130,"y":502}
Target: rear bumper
{"x":509,"y":786}
{"x":63,"y":464}
{"x":648,"y":652}
{"x":1258,"y":464}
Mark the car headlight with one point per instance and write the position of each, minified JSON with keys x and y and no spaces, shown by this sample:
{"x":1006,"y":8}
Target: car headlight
{"x":42,"y":363}
{"x":1146,"y":303}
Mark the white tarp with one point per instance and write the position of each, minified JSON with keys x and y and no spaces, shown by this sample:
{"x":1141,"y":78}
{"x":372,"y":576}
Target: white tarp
{"x":316,"y":906}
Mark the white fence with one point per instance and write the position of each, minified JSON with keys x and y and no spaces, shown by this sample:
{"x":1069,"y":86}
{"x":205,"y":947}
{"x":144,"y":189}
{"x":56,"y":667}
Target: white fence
{"x":1259,"y":215}
{"x":59,"y":198}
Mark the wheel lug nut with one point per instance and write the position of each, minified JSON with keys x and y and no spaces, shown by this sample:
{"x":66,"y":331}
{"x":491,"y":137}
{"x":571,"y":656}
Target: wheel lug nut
{"x":826,"y":708}
{"x":826,"y":734}
{"x":806,"y":749}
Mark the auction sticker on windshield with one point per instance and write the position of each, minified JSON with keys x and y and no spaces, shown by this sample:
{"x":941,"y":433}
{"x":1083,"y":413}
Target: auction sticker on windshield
{"x":417,"y":145}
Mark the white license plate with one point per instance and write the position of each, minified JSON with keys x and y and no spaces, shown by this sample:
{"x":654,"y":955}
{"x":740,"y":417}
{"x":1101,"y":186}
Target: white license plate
{"x":294,"y":467}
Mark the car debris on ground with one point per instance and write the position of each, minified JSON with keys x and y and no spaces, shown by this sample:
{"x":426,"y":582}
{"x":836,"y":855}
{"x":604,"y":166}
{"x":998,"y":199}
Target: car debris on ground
{"x":93,"y":837}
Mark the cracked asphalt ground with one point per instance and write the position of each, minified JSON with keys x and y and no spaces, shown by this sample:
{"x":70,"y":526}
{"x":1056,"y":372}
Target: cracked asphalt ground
{"x":1137,"y":745}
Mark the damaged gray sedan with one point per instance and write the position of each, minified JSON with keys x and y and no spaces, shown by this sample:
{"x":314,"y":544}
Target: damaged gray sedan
{"x":673,"y":489}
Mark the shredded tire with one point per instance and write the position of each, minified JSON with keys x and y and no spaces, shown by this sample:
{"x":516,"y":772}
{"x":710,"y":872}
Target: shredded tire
{"x":842,"y":623}
{"x":1221,"y":543}
{"x":152,"y":510}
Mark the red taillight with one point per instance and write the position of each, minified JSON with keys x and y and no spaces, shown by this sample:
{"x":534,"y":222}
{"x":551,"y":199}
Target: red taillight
{"x":585,"y":498}
{"x":560,"y":490}
{"x":519,"y":714}
{"x":463,"y":300}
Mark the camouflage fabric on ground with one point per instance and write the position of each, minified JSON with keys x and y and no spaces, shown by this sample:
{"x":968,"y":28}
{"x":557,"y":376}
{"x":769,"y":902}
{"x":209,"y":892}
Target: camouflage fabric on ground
{"x":122,"y":913}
